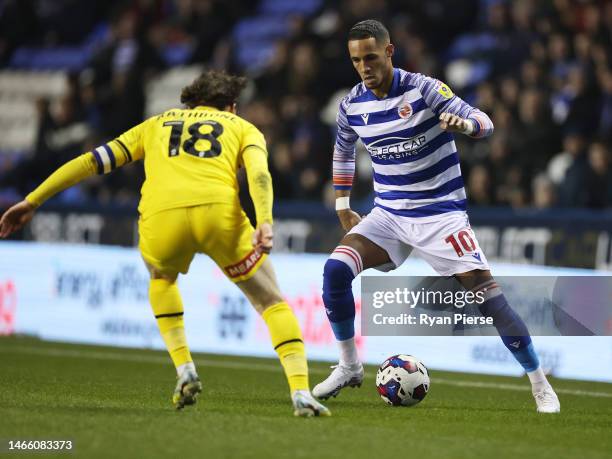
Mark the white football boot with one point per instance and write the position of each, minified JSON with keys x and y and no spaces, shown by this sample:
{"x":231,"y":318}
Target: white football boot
{"x":305,"y":405}
{"x":188,"y":386}
{"x":547,"y":401}
{"x":339,"y":378}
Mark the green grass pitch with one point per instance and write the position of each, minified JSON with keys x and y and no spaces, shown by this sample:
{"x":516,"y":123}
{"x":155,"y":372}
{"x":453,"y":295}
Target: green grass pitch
{"x":115,"y":403}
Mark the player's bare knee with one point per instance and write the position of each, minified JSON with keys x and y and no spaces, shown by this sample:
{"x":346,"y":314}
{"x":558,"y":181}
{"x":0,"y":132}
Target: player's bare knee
{"x":261,"y":291}
{"x":158,"y":274}
{"x":265,"y":296}
{"x":169,"y":277}
{"x":474,"y":278}
{"x":268,"y":302}
{"x":371,"y":254}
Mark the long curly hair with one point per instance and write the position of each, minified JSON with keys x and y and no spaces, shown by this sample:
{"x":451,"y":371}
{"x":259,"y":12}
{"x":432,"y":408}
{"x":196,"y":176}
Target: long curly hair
{"x":213,"y":88}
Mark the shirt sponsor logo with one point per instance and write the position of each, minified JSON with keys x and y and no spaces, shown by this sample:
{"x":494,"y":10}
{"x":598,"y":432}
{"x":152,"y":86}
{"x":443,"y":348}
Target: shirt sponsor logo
{"x":403,"y":147}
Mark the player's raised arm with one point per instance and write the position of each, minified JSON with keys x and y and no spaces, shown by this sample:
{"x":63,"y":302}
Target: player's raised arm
{"x":255,"y":159}
{"x":101,"y":160}
{"x":344,"y":168}
{"x":454,"y":113}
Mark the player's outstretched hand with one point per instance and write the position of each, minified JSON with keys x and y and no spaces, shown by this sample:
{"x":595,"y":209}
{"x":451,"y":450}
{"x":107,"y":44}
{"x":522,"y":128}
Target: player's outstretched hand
{"x":348,"y":218}
{"x":16,"y":217}
{"x":263,"y":238}
{"x":452,"y":123}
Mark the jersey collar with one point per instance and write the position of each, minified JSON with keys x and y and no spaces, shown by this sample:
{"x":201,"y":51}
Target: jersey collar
{"x":394,"y":89}
{"x":206,"y":107}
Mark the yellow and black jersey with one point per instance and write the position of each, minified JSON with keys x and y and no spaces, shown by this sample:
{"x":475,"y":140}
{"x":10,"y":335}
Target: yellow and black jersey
{"x":191,"y":156}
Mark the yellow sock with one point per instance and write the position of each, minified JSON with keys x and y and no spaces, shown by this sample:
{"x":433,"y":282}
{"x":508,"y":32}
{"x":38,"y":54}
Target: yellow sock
{"x":287,"y":341}
{"x":168,"y":309}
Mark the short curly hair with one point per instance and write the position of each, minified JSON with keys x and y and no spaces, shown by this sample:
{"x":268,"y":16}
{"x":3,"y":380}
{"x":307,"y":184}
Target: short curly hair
{"x":213,"y":88}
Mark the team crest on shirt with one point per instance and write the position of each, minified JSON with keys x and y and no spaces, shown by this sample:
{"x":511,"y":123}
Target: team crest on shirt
{"x":405,"y":111}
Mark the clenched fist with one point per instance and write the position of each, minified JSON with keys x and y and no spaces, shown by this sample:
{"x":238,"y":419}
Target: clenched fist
{"x":263,"y":238}
{"x":454,"y":123}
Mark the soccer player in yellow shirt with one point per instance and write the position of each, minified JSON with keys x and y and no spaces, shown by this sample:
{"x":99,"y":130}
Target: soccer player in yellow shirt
{"x":190,"y":205}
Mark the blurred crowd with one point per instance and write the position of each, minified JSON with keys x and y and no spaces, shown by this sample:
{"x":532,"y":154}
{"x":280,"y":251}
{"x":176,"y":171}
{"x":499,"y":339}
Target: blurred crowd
{"x":549,"y":92}
{"x":542,"y":71}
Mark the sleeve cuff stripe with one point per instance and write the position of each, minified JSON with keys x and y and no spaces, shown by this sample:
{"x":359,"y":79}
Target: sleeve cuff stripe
{"x":253,"y":145}
{"x":126,"y":152}
{"x":111,"y":155}
{"x":105,"y":159}
{"x":98,"y":162}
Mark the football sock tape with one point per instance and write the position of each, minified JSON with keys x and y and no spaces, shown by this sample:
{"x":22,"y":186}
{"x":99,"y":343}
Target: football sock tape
{"x":167,"y":306}
{"x":287,"y":341}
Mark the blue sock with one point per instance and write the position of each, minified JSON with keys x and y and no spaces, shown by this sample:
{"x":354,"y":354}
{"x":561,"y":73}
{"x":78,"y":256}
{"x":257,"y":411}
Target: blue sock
{"x":512,"y":330}
{"x":338,"y":274}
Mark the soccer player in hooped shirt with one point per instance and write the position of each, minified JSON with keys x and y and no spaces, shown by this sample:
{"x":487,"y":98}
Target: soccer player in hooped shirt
{"x":406,"y":121}
{"x":190,"y":205}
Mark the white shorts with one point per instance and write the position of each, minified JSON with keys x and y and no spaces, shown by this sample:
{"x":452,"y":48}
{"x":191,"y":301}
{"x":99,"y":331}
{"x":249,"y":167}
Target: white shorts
{"x":448,"y":245}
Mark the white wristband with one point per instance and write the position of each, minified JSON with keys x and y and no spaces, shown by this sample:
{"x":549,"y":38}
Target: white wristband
{"x":469,"y":127}
{"x":342,"y":203}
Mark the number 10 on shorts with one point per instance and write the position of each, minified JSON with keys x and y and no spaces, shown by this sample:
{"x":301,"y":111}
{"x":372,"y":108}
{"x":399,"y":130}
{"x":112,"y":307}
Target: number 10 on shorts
{"x":462,"y":242}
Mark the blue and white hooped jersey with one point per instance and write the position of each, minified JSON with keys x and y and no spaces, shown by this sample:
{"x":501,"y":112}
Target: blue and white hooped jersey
{"x":416,"y":166}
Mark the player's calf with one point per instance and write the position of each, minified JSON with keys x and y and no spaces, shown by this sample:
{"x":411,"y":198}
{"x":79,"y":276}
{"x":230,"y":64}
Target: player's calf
{"x":509,"y":325}
{"x":343,"y":265}
{"x":167,"y":306}
{"x":287,"y":341}
{"x":515,"y":336}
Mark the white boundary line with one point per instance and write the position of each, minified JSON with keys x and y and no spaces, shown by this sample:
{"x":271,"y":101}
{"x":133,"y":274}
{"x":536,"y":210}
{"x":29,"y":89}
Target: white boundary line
{"x":104,"y":355}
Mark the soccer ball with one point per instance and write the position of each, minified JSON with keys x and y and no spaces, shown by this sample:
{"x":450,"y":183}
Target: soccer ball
{"x":402,"y":380}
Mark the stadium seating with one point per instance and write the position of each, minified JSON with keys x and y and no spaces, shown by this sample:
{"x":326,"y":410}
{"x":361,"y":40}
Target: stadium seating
{"x":163,"y":90}
{"x":19,"y":90}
